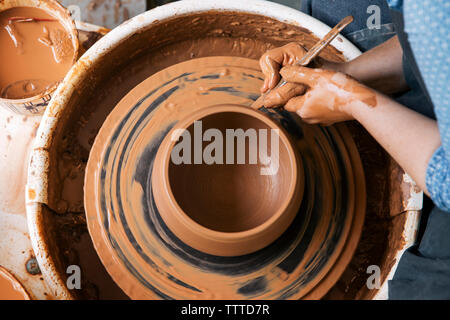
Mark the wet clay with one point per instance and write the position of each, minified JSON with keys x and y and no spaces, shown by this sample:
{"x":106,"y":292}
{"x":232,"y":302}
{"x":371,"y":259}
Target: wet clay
{"x":329,"y":90}
{"x":193,"y":36}
{"x":124,"y":152}
{"x":176,"y":40}
{"x":36,"y":52}
{"x":229,"y":197}
{"x":10,"y":288}
{"x":229,"y":208}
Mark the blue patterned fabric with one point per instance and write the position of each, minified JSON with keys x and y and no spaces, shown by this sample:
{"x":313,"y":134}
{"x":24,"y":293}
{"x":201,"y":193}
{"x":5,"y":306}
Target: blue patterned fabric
{"x":426,"y":23}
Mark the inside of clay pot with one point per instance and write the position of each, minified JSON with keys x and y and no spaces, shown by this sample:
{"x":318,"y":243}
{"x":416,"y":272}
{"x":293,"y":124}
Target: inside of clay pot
{"x":232,"y":197}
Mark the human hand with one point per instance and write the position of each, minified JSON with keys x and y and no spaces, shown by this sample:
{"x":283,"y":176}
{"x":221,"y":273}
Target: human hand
{"x":272,"y":61}
{"x":330,"y":96}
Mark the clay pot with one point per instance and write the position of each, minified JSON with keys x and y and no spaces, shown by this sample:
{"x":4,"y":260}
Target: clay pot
{"x":10,"y":287}
{"x":227,"y":209}
{"x":128,"y":222}
{"x":36,"y":105}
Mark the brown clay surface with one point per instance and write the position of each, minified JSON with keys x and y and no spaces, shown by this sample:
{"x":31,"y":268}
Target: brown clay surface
{"x":10,"y":288}
{"x":233,"y":197}
{"x":34,"y":54}
{"x":192,"y":36}
{"x":227,"y":209}
{"x":136,"y":124}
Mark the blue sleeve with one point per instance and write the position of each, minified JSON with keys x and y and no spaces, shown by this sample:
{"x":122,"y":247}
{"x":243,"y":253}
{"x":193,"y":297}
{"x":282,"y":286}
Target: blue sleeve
{"x":426,"y":22}
{"x":438,"y":179}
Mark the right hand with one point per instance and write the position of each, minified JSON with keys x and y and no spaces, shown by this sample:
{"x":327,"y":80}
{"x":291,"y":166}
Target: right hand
{"x":273,"y":60}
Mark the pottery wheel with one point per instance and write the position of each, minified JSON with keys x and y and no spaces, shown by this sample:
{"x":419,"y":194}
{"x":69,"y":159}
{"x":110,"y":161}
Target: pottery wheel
{"x":149,"y":262}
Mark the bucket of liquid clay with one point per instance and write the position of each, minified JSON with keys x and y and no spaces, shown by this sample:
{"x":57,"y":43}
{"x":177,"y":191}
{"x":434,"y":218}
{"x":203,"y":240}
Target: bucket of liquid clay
{"x":39,"y":45}
{"x":92,"y":189}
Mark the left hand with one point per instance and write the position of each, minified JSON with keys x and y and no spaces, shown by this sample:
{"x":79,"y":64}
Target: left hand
{"x":273,"y":60}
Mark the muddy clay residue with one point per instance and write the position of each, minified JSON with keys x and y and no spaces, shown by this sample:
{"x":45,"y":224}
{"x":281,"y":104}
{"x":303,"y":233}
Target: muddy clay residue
{"x":36,"y":52}
{"x":169,"y":42}
{"x":157,"y":264}
{"x":188,"y":37}
{"x":382,"y":233}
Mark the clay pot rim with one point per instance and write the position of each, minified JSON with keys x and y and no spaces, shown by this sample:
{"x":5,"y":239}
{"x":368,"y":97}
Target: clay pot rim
{"x":52,"y":7}
{"x":15,"y":282}
{"x":231,"y":236}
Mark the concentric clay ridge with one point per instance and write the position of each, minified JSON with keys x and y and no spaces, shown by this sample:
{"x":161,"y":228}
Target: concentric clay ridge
{"x":146,"y":217}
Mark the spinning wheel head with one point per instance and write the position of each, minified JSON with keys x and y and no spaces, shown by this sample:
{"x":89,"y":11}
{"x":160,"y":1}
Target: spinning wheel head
{"x":199,"y":231}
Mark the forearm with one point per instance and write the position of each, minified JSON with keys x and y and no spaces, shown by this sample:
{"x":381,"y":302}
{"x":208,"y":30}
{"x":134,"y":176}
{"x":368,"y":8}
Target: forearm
{"x":380,"y":68}
{"x":409,"y":137}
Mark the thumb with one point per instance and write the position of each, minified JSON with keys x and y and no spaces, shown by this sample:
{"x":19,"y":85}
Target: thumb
{"x":270,"y":69}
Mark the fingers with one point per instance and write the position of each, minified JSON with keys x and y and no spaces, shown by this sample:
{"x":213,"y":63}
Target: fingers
{"x":283,"y":94}
{"x":295,"y":104}
{"x":315,"y":78}
{"x":270,"y":69}
{"x":309,"y":111}
{"x":298,"y":105}
{"x":272,"y":61}
{"x":308,"y":76}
